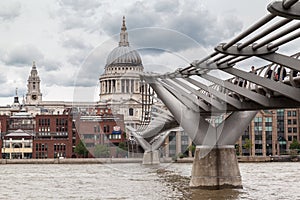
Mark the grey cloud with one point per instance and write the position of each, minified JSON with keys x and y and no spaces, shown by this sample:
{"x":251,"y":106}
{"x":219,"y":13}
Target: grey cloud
{"x":3,"y":78}
{"x":23,"y":55}
{"x":75,"y":43}
{"x":8,"y":87}
{"x":26,"y":54}
{"x":84,"y":72}
{"x":87,"y":7}
{"x":189,"y":19}
{"x":49,"y":65}
{"x":77,"y":59}
{"x":138,"y":15}
{"x":70,"y":22}
{"x":166,"y":5}
{"x":93,"y":66}
{"x":161,"y":39}
{"x":57,"y":78}
{"x":9,"y":10}
{"x":9,"y":91}
{"x":205,"y":27}
{"x":78,"y":15}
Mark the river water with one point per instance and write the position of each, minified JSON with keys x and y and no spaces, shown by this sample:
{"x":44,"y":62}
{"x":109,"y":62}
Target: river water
{"x":134,"y":181}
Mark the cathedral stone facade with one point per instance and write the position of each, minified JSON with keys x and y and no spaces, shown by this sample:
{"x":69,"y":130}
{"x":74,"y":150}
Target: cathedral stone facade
{"x":120,"y":84}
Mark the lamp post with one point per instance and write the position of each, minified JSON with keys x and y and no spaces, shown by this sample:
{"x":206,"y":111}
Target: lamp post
{"x":132,"y":149}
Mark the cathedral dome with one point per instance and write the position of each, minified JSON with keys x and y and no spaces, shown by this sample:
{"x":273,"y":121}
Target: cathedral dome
{"x":123,"y":54}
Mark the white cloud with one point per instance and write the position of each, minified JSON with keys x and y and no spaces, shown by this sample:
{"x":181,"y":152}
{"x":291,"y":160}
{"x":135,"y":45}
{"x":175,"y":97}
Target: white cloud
{"x":22,"y":55}
{"x":9,"y":10}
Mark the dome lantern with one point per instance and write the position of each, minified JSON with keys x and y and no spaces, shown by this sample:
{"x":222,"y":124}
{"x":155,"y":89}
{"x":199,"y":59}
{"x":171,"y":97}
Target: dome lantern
{"x":123,"y":54}
{"x":124,"y":35}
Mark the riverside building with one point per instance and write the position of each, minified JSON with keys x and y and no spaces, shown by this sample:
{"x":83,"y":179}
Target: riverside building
{"x":270,"y":133}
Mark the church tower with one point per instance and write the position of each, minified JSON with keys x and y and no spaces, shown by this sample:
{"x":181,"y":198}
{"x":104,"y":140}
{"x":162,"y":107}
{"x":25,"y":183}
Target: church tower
{"x":34,"y":95}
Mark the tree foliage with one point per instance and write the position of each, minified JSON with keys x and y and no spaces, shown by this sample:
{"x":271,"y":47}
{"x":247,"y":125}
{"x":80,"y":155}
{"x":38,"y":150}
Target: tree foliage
{"x":248,"y":145}
{"x":295,"y":145}
{"x":101,"y":151}
{"x":80,"y":149}
{"x":122,"y":149}
{"x":192,"y":149}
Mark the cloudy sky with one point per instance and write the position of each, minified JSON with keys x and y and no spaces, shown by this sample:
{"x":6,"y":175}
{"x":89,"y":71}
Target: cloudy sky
{"x":70,"y":39}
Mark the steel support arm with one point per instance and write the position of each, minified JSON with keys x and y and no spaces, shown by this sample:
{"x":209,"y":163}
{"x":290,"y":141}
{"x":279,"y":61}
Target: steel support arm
{"x":188,"y":119}
{"x":233,"y":126}
{"x":206,"y":98}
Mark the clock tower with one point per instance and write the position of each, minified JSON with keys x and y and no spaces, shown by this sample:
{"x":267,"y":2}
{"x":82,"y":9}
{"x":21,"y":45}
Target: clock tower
{"x":34,"y":95}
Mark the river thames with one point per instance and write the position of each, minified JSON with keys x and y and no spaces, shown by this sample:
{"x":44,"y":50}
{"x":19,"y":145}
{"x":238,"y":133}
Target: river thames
{"x":134,"y":181}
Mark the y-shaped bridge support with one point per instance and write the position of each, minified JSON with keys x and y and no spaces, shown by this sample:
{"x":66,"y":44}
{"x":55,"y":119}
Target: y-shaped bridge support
{"x":215,"y":165}
{"x":153,"y":137}
{"x":151,"y":154}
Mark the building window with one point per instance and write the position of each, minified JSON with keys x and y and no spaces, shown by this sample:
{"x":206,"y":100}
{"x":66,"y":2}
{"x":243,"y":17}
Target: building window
{"x":294,"y":130}
{"x":289,"y":130}
{"x":294,"y":113}
{"x":268,"y":119}
{"x":130,"y":111}
{"x":257,"y":119}
{"x":106,"y":128}
{"x":269,"y":128}
{"x":289,"y":121}
{"x":289,"y":113}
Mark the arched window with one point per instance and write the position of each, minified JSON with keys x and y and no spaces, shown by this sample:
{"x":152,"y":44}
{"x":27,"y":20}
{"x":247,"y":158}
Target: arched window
{"x":130,"y":111}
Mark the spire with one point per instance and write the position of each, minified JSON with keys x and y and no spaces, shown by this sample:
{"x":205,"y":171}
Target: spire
{"x":123,"y":35}
{"x":16,"y":98}
{"x":33,"y":65}
{"x":124,"y":25}
{"x":33,"y":69}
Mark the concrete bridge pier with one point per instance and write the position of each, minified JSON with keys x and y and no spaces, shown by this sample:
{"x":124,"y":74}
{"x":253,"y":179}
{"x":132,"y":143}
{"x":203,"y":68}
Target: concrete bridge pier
{"x":151,"y":158}
{"x":215,"y":167}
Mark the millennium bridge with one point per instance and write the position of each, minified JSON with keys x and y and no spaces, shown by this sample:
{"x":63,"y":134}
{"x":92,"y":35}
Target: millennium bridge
{"x":193,"y":97}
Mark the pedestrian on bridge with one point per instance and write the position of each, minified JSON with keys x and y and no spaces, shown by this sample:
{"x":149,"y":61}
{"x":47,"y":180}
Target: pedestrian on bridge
{"x":281,"y":72}
{"x":253,"y":70}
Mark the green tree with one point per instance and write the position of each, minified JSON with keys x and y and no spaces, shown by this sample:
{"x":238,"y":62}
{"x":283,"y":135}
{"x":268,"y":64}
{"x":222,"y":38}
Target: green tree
{"x":295,"y":145}
{"x":237,"y":149}
{"x":80,"y":149}
{"x":192,"y":149}
{"x":122,"y":149}
{"x":101,"y":151}
{"x":248,"y":145}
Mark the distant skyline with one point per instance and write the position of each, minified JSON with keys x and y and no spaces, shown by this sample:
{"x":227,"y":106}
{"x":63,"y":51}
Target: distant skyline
{"x":70,"y":40}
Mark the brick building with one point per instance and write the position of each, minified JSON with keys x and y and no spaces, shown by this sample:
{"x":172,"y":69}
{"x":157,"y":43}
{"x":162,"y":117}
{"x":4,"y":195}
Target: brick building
{"x":53,"y":136}
{"x":101,"y":129}
{"x":270,"y":133}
